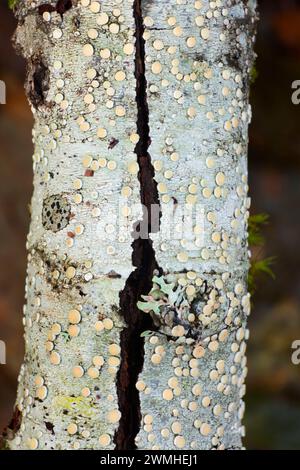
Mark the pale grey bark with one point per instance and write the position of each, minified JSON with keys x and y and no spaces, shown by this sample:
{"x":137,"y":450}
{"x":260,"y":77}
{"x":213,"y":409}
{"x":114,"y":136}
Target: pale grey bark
{"x":89,"y":110}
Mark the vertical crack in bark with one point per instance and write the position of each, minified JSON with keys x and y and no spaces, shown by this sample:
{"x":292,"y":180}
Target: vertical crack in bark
{"x":143,"y":258}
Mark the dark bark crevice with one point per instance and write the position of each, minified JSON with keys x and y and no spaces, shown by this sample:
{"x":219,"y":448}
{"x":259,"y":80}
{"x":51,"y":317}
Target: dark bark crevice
{"x":132,"y":344}
{"x":37,"y":84}
{"x":61,"y":7}
{"x":143,"y":257}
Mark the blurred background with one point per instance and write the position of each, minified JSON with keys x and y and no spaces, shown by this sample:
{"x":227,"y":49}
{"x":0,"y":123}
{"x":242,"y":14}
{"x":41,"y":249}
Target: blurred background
{"x":273,"y":396}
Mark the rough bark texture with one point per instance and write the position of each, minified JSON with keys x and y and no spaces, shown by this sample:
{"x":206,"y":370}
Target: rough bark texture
{"x":136,"y":102}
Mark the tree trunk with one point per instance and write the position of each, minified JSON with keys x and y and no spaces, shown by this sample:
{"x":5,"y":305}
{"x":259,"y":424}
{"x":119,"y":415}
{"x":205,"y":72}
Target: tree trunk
{"x":136,"y":341}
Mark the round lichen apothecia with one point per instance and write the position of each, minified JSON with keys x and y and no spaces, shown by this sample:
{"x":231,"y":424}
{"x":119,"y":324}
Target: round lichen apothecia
{"x":56,"y":213}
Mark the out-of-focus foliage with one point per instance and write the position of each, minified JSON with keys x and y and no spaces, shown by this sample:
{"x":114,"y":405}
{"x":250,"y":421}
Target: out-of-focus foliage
{"x":253,"y":74}
{"x":12,"y":3}
{"x":255,"y":225}
{"x":259,"y":265}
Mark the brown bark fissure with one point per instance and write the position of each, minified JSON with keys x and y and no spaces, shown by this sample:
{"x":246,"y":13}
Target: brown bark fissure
{"x":143,"y":257}
{"x":61,"y":7}
{"x":37,"y":85}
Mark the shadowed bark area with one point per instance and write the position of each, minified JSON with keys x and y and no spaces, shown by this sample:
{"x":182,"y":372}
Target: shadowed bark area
{"x":12,"y":428}
{"x":37,"y":82}
{"x":61,"y":7}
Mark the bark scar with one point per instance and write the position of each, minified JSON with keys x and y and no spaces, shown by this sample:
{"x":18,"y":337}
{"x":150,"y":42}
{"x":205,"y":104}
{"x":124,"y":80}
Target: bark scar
{"x":143,"y":258}
{"x":37,"y":82}
{"x":61,"y":7}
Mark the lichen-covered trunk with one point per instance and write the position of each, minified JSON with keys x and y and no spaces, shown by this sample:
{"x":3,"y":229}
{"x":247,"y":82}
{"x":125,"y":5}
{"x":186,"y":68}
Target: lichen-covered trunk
{"x":141,"y":115}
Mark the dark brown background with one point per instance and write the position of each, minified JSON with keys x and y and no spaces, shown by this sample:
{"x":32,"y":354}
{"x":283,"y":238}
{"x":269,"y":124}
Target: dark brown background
{"x":273,"y":398}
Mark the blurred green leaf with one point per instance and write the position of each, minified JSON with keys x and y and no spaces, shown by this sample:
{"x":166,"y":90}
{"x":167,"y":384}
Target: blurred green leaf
{"x":255,"y":224}
{"x":258,"y":266}
{"x":253,"y":74}
{"x":12,"y":3}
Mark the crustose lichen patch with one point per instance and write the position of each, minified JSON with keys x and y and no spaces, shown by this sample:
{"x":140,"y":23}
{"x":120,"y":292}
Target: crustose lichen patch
{"x":56,"y":213}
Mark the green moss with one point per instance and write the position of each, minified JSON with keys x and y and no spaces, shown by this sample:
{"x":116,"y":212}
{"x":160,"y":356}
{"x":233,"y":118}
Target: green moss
{"x":259,"y":265}
{"x":255,"y":226}
{"x":12,"y":4}
{"x":253,"y":74}
{"x":257,"y":268}
{"x":4,"y":444}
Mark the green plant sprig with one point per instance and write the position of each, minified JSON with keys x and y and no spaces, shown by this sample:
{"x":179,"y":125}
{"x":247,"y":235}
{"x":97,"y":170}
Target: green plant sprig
{"x":258,"y":265}
{"x":12,"y":4}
